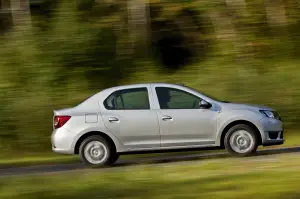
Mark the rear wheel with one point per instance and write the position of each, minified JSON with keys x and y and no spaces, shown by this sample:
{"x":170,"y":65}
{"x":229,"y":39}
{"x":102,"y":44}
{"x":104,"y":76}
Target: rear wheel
{"x":241,"y":140}
{"x":96,"y":151}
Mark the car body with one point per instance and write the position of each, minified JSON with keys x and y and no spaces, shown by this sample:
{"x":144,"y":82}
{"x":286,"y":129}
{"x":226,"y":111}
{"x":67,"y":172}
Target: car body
{"x":160,"y":116}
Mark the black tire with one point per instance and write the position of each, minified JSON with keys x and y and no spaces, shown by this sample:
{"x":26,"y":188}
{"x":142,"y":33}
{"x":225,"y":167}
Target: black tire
{"x":108,"y":160}
{"x":251,"y":132}
{"x":114,"y":158}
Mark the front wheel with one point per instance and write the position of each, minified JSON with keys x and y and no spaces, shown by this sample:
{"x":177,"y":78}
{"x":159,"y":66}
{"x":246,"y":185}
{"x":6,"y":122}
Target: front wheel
{"x":96,"y":151}
{"x":114,"y":158}
{"x":241,"y":140}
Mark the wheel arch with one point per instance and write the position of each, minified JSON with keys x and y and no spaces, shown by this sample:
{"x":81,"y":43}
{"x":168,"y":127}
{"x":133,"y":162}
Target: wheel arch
{"x":236,"y":122}
{"x":91,"y":133}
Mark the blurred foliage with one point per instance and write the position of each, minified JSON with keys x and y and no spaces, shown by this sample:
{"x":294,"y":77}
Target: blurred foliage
{"x":246,"y":51}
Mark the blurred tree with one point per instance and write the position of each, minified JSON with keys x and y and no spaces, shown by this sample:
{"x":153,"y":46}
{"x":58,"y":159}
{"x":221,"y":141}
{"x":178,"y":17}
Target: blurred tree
{"x":138,"y":21}
{"x":20,"y":12}
{"x":73,"y":49}
{"x":179,"y":35}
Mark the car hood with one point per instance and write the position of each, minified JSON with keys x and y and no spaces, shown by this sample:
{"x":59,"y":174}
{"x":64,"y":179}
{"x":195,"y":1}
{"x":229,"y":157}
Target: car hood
{"x":246,"y":106}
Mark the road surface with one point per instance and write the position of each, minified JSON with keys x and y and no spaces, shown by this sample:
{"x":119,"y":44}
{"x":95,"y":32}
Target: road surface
{"x":121,"y":163}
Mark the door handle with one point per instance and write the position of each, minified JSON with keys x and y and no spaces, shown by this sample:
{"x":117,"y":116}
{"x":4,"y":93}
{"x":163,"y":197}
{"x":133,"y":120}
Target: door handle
{"x":166,"y":117}
{"x":113,"y":119}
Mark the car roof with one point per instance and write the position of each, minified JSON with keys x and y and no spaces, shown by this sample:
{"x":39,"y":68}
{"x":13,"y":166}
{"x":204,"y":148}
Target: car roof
{"x":104,"y":93}
{"x":145,"y":84}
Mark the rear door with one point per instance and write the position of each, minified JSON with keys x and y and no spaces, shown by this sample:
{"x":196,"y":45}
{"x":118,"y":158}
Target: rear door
{"x":129,"y":116}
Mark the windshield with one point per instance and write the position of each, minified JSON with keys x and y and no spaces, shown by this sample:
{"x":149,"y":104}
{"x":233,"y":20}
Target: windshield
{"x":209,"y":96}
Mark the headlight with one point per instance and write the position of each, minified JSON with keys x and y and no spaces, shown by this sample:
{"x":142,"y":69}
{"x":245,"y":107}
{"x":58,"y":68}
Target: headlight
{"x":270,"y":114}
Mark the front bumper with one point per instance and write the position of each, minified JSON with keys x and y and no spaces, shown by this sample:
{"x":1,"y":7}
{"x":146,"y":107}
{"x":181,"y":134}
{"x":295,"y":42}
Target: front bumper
{"x":274,"y":142}
{"x":273,"y":132}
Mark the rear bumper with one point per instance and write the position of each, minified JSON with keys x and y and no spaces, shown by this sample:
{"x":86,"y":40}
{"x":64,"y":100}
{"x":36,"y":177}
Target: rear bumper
{"x":62,"y":151}
{"x":61,"y":140}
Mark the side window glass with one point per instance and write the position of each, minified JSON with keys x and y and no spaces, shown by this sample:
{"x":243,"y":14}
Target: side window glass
{"x":128,"y":99}
{"x":170,"y":98}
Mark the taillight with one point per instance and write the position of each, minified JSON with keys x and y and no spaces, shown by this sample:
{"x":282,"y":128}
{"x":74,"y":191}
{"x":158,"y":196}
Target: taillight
{"x":60,"y":120}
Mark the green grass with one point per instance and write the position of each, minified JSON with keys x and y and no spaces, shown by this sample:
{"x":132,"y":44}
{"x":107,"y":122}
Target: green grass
{"x":292,"y":139}
{"x":37,"y":160}
{"x":267,"y":177}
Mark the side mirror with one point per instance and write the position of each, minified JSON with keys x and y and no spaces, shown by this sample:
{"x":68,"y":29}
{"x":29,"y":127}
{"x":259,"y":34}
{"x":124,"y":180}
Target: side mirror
{"x":204,"y":104}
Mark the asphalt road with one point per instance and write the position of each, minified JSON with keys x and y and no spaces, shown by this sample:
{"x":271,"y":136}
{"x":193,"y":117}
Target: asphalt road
{"x":121,"y":163}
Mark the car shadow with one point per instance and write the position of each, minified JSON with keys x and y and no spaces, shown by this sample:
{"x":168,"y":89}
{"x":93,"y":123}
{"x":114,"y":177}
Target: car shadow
{"x":192,"y":157}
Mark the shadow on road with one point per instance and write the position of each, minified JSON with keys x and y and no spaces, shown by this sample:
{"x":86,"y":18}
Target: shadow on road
{"x":149,"y":160}
{"x":193,"y":157}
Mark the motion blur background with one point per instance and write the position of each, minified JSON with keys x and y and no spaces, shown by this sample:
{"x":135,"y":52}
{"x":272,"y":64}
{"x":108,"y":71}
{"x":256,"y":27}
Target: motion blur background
{"x":56,"y":53}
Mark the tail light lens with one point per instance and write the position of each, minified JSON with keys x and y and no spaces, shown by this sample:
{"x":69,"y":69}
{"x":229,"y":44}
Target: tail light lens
{"x":60,"y":120}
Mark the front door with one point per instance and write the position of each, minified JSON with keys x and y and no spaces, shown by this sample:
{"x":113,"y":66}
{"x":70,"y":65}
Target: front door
{"x":130,"y":118}
{"x":182,"y":122}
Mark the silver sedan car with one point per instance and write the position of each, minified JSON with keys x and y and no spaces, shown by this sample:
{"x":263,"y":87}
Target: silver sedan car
{"x":160,"y":117}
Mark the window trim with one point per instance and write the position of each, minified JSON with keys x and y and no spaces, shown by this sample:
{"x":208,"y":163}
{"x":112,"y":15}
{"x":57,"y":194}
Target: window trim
{"x":175,"y":89}
{"x":120,"y":91}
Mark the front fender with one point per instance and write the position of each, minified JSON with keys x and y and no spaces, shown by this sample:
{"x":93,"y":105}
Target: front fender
{"x":231,"y":116}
